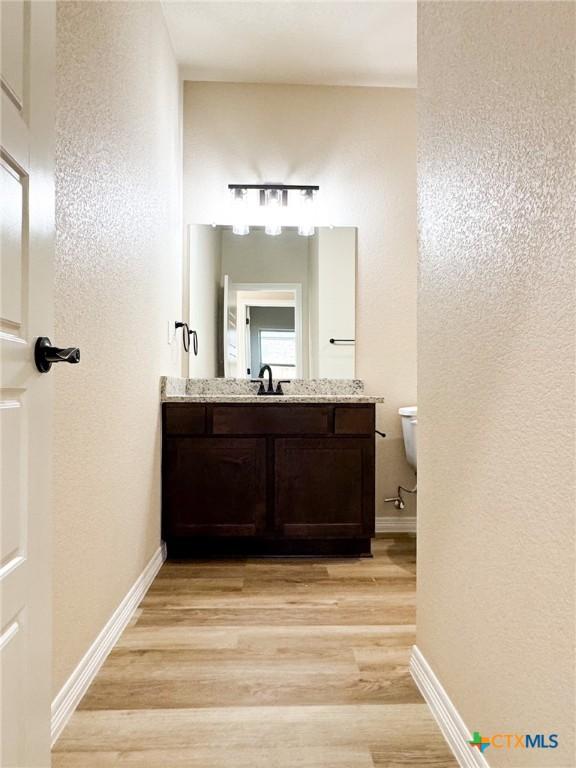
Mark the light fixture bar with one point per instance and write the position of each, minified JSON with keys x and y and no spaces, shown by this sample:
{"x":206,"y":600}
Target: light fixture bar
{"x":281,"y":187}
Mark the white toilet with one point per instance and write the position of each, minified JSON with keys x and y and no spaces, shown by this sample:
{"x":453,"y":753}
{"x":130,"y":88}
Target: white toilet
{"x":409,"y":423}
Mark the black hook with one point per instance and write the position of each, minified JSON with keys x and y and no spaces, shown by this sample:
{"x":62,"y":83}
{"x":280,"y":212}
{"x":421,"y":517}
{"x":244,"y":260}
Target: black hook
{"x":185,"y":334}
{"x":194,"y":336}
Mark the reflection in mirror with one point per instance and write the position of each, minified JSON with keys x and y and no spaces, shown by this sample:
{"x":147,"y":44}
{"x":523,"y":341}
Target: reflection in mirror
{"x":285,"y":301}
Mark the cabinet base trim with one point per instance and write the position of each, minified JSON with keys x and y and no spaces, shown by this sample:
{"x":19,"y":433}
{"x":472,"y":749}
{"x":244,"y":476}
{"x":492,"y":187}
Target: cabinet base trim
{"x":243,"y":547}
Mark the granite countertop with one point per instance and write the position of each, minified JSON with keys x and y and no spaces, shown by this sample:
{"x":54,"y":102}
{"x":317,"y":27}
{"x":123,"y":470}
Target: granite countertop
{"x":176,"y":390}
{"x":267,"y":400}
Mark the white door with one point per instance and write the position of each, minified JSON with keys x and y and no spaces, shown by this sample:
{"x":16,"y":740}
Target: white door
{"x":250,"y":374}
{"x":230,"y":329}
{"x":26,"y":309}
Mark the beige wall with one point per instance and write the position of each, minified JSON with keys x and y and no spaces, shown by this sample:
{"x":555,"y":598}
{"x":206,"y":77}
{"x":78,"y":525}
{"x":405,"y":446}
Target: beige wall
{"x":359,"y":145}
{"x":117,"y":284}
{"x":496,"y":359}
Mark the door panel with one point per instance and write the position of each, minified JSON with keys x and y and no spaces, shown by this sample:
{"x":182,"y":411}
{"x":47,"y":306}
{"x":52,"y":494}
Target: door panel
{"x":323,"y":487}
{"x":15,"y":27}
{"x":13,"y":652}
{"x":26,"y":311}
{"x":215,"y":486}
{"x":14,"y":256}
{"x":12,"y":494}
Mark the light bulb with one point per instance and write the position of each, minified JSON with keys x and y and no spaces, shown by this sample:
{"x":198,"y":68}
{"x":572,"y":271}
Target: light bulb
{"x":306,"y":226}
{"x":239,"y":207}
{"x":273,"y":203}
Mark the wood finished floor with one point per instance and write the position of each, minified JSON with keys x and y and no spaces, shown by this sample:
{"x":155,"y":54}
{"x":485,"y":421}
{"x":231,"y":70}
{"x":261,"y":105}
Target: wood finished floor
{"x":264,"y":664}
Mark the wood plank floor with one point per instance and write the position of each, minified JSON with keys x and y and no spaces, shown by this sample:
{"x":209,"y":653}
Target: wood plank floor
{"x":264,"y":664}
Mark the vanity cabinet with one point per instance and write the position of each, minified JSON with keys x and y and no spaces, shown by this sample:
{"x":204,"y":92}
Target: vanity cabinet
{"x":267,"y":479}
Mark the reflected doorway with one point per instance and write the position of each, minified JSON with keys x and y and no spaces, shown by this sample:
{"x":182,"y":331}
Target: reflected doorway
{"x":271,"y":316}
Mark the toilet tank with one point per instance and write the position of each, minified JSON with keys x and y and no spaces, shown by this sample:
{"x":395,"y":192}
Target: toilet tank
{"x":409,"y":423}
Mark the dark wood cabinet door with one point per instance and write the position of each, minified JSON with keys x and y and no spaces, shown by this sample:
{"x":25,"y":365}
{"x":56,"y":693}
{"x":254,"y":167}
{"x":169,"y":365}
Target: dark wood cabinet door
{"x":214,"y":486}
{"x":324,"y":487}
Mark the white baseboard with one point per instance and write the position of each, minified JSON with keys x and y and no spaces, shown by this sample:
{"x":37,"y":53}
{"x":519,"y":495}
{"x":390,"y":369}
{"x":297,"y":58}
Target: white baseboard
{"x":77,"y":684}
{"x":445,"y":713}
{"x":397,"y":524}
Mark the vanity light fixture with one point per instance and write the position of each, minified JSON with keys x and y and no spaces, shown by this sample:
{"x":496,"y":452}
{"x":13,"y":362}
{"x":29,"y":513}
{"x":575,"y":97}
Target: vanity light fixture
{"x":306,"y":226}
{"x":239,"y":209}
{"x":273,"y":202}
{"x":274,"y":197}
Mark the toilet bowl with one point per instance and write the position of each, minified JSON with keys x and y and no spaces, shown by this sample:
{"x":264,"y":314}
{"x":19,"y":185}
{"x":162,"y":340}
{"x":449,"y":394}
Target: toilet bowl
{"x":409,"y":423}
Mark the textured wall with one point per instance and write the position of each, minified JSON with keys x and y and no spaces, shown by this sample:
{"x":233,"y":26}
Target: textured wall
{"x":496,"y":362}
{"x":359,"y":145}
{"x":117,"y":283}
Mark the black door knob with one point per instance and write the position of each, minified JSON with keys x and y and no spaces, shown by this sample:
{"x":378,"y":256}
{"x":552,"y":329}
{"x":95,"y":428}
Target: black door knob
{"x":45,"y":354}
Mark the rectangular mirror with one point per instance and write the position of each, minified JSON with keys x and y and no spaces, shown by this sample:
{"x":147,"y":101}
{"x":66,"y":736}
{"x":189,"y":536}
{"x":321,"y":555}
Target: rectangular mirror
{"x":285,"y":301}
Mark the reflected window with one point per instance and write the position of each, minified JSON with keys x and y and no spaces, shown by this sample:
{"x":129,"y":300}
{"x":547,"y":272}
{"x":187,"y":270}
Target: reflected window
{"x":278,"y":350}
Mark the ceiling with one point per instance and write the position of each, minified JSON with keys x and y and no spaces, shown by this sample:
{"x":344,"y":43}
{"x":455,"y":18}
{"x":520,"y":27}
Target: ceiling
{"x":316,"y":43}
